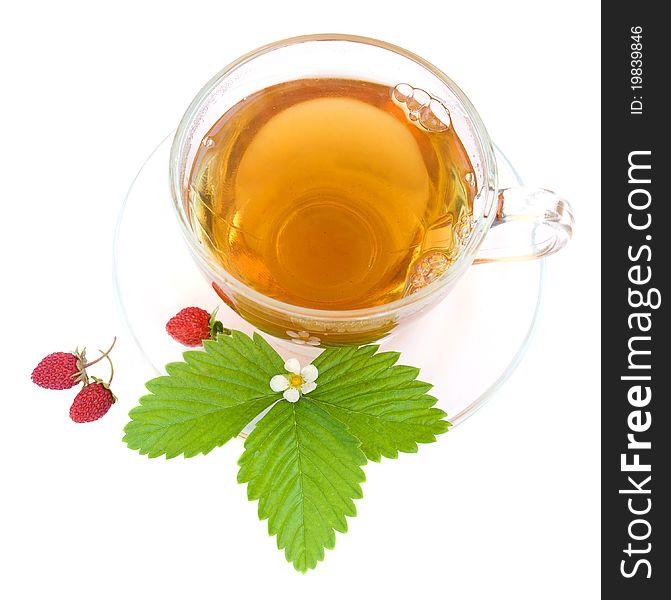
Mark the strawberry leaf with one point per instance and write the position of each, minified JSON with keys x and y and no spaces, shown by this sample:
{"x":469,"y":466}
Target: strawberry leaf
{"x":303,"y":459}
{"x":381,"y":403}
{"x":205,"y":400}
{"x":304,"y":467}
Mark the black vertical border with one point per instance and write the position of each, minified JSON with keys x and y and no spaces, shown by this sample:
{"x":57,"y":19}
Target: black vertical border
{"x":623,"y":133}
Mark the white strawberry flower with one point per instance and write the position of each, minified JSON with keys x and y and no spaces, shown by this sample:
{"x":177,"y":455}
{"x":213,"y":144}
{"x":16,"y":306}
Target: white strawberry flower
{"x":295,"y":381}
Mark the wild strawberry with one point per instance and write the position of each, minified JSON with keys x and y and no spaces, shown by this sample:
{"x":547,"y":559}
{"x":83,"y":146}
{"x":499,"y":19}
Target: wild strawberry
{"x":63,"y":370}
{"x":192,"y":325}
{"x":92,"y":402}
{"x":59,"y":371}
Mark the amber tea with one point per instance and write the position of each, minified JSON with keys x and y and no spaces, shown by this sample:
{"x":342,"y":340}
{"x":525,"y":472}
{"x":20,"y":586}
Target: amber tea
{"x":332,"y":193}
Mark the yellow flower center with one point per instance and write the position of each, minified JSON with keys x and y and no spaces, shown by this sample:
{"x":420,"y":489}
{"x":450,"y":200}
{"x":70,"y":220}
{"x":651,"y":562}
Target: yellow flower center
{"x":296,"y":380}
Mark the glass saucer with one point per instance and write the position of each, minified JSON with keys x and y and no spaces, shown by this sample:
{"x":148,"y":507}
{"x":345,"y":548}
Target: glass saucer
{"x":466,"y":349}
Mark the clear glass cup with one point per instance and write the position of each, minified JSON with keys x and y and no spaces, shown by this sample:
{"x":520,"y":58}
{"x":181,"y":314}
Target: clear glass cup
{"x":507,"y":224}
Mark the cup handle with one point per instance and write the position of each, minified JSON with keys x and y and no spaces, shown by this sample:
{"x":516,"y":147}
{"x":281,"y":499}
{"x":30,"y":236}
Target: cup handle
{"x":529,"y":223}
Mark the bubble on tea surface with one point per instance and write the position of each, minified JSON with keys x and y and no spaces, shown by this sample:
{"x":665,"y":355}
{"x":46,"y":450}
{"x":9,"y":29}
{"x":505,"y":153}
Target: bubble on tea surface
{"x":470,"y":179}
{"x":403,"y":92}
{"x":418,"y":100}
{"x":207,"y":142}
{"x":464,"y":228}
{"x":421,"y":108}
{"x":426,"y":270}
{"x":434,"y":117}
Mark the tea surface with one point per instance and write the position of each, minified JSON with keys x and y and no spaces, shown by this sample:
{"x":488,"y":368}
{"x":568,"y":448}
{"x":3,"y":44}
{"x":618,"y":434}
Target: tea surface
{"x":323,"y":193}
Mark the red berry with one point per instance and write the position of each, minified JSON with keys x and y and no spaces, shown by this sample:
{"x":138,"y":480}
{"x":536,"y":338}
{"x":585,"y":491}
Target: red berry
{"x":91,"y":403}
{"x":58,"y":371}
{"x":190,"y":326}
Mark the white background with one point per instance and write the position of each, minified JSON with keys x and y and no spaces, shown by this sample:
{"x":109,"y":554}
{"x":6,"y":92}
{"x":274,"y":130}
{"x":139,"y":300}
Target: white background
{"x":505,"y":506}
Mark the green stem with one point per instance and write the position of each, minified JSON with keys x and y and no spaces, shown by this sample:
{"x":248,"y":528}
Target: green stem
{"x":111,"y":370}
{"x":103,"y":355}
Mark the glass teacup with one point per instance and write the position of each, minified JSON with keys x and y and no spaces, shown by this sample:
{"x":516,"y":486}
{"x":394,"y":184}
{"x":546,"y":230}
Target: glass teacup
{"x":506,"y":224}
